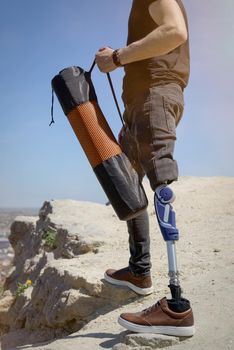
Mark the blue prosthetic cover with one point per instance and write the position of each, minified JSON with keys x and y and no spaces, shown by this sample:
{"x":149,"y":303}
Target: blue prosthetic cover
{"x":165,"y":214}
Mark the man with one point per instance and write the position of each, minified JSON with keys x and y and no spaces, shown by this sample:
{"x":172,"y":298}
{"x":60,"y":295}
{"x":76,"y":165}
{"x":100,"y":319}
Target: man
{"x":156,"y":64}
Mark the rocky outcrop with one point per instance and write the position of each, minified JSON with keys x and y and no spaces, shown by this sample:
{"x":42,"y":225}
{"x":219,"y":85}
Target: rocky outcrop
{"x":56,"y":283}
{"x":146,"y":342}
{"x":60,"y":257}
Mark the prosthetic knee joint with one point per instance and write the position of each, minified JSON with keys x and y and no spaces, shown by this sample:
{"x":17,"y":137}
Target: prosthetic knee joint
{"x":163,"y":198}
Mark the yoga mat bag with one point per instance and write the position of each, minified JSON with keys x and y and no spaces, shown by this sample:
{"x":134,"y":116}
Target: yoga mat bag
{"x":76,"y":94}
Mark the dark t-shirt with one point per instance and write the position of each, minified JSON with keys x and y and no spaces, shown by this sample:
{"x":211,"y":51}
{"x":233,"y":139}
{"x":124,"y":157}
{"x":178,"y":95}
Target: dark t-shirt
{"x":172,"y":67}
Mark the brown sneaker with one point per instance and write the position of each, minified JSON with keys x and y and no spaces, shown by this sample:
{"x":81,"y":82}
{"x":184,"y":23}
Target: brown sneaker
{"x":160,"y":319}
{"x":124,"y":277}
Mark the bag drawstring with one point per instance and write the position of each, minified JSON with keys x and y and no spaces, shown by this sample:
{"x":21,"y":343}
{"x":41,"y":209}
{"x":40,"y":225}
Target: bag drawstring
{"x":52,"y":109}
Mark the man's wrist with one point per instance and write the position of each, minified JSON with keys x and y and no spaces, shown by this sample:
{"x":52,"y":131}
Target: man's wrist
{"x":116,"y":58}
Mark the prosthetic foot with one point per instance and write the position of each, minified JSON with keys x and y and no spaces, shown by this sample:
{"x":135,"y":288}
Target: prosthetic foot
{"x":163,"y":198}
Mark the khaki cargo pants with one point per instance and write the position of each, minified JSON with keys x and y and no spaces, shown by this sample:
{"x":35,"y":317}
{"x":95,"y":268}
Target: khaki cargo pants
{"x":150,"y":134}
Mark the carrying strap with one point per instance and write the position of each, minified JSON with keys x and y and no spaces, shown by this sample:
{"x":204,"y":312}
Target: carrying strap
{"x":92,"y":67}
{"x":112,"y":90}
{"x":115,"y":98}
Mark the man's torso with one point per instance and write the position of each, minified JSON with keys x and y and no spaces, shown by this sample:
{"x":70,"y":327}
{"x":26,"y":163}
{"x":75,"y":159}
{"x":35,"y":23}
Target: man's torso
{"x":173,"y":67}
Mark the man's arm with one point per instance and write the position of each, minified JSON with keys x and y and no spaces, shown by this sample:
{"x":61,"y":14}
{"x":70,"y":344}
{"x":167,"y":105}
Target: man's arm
{"x":170,"y":33}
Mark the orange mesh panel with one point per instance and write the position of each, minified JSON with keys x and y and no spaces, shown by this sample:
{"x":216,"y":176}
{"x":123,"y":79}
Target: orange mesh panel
{"x":93,"y":132}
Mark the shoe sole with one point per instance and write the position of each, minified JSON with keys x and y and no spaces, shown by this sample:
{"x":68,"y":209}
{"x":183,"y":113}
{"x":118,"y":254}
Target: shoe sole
{"x":167,"y":330}
{"x":138,"y":290}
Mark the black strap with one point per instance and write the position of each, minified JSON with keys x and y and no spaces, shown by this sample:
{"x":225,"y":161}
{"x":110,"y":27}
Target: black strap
{"x":93,"y":64}
{"x":115,"y":98}
{"x":112,"y":90}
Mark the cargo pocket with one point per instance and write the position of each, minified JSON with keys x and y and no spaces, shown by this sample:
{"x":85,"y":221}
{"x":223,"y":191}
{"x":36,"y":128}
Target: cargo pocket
{"x":173,"y":113}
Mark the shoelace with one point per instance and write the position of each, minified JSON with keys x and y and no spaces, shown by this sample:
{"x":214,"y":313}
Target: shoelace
{"x":150,"y":309}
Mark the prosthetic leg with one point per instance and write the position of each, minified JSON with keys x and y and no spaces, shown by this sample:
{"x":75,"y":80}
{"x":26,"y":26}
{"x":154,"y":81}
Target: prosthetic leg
{"x":163,"y":198}
{"x":168,"y":316}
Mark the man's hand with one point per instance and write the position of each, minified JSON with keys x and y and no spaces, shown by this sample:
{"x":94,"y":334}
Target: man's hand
{"x":104,"y":60}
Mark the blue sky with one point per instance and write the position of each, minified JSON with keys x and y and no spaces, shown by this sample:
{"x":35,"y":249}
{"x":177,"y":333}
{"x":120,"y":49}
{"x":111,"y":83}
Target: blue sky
{"x":37,"y":39}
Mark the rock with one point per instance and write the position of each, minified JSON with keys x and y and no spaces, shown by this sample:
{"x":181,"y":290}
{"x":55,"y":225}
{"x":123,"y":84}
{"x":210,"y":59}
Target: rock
{"x":5,"y":304}
{"x":216,"y":250}
{"x":61,"y":252}
{"x":120,"y":347}
{"x":26,"y":245}
{"x":153,"y":341}
{"x":66,"y":250}
{"x":24,"y":336}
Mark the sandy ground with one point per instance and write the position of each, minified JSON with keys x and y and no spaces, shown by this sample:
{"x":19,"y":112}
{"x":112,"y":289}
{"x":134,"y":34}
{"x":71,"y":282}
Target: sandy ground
{"x":205,"y":253}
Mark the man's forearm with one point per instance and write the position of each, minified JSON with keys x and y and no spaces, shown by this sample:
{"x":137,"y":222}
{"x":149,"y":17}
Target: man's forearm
{"x":159,"y":42}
